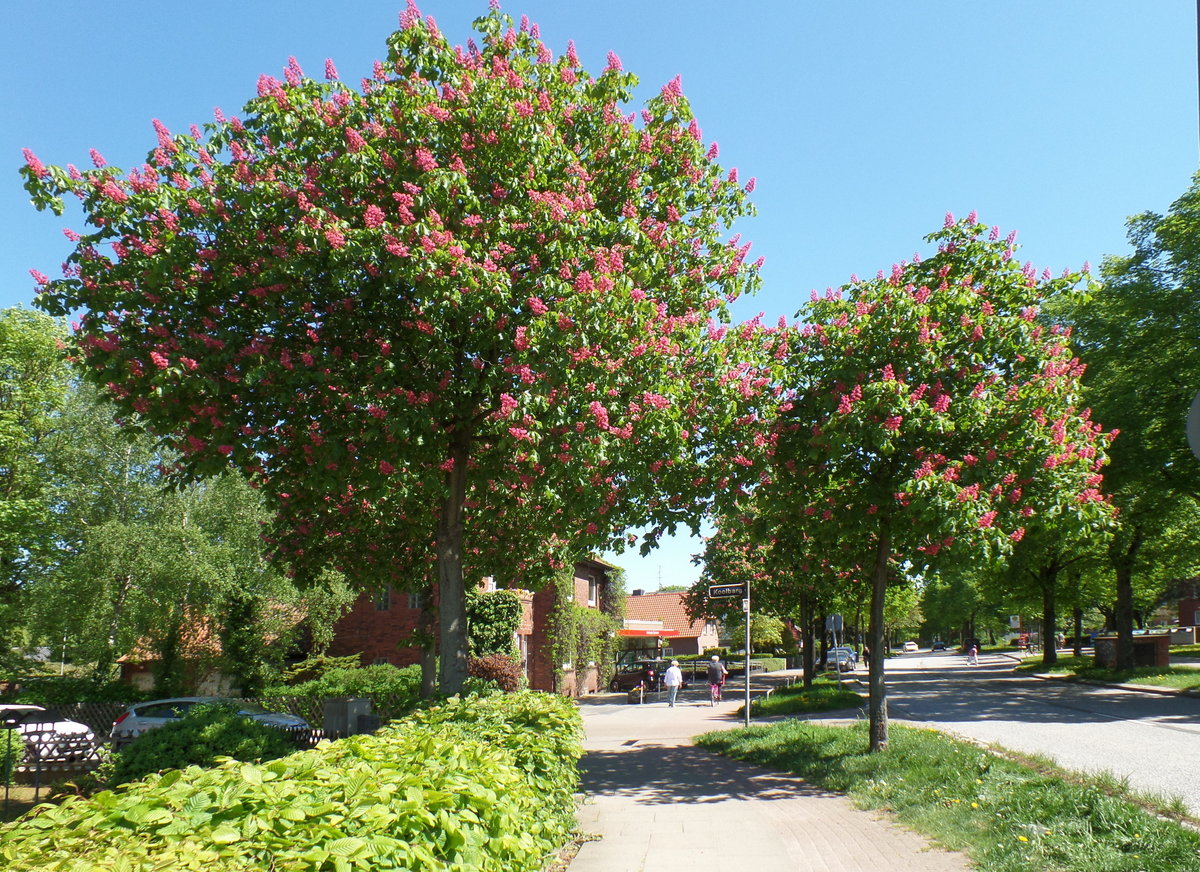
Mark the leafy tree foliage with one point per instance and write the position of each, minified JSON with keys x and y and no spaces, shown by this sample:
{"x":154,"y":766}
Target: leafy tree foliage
{"x":137,"y":563}
{"x":1138,"y":337}
{"x":451,"y":317}
{"x":33,"y":381}
{"x":932,"y":409}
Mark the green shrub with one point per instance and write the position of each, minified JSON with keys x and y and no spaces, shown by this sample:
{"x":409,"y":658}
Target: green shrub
{"x":12,"y":749}
{"x":769,"y":664}
{"x":205,"y":733}
{"x":55,"y":690}
{"x":481,"y":784}
{"x":393,"y":691}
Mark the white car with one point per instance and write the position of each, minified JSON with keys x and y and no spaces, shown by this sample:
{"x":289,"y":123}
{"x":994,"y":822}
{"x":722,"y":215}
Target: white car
{"x":911,"y":648}
{"x":47,"y":736}
{"x":143,"y":716}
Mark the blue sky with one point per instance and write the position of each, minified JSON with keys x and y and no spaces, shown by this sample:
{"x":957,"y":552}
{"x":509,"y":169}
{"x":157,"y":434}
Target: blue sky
{"x":864,"y":122}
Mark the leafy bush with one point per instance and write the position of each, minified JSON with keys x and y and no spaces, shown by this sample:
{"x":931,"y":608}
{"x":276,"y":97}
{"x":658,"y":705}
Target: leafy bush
{"x":56,"y":690}
{"x":505,"y":671}
{"x":769,"y":664}
{"x":205,"y":733}
{"x":481,"y":784}
{"x":12,"y":749}
{"x":393,"y":691}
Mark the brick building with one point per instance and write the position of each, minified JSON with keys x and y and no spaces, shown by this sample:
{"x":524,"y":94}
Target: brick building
{"x":378,"y":627}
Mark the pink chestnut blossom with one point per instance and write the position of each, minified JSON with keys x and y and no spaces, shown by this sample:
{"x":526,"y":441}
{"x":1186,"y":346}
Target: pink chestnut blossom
{"x":35,"y":165}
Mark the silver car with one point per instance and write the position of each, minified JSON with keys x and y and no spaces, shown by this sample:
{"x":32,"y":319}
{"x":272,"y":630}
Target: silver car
{"x":143,"y":716}
{"x":844,"y":658}
{"x":47,"y":736}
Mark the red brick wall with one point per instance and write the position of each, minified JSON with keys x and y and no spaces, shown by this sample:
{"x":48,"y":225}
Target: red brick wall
{"x":377,"y":634}
{"x":1187,"y":612}
{"x":383,"y":634}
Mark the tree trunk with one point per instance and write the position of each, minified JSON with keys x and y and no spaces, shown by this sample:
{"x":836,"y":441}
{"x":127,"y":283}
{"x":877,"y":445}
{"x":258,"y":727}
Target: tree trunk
{"x":1049,"y":615}
{"x":1078,"y":614}
{"x":452,"y":600}
{"x":806,"y":638}
{"x":428,"y":639}
{"x":878,"y":690}
{"x":1122,"y":561}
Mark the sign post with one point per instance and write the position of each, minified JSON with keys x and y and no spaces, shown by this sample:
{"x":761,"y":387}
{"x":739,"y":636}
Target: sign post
{"x":742,"y":592}
{"x":746,"y":612}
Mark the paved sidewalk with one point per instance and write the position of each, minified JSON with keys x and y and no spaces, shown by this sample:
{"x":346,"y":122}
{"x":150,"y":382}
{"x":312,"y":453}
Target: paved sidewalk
{"x":661,"y":805}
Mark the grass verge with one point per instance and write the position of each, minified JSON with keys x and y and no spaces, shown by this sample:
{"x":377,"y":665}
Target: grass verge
{"x":1007,"y":817}
{"x":825,"y":695}
{"x":1177,"y":677}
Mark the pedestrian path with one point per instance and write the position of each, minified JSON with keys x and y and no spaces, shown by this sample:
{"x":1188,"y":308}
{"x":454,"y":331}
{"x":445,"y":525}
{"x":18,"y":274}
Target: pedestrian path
{"x":658,"y":803}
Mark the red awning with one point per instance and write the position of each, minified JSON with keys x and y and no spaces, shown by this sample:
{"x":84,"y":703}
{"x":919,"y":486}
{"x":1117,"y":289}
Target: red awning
{"x":662,"y":632}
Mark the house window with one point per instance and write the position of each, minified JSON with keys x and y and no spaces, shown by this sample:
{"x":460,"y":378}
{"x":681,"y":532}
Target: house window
{"x":414,"y":601}
{"x":593,"y":591}
{"x":710,"y":628}
{"x":383,"y":599}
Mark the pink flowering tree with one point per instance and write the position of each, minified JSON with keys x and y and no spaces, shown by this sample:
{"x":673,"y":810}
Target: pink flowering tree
{"x":933,"y":409}
{"x":461,"y":319}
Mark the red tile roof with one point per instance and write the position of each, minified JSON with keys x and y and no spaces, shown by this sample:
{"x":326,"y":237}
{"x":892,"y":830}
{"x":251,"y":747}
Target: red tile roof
{"x":665,"y":607}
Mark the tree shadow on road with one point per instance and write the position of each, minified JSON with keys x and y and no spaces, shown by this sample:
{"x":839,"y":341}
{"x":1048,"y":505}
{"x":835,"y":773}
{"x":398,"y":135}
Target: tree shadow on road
{"x":655,"y":774}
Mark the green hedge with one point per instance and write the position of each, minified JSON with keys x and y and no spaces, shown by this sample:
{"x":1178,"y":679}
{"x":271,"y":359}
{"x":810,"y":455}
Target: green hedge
{"x":478,"y":784}
{"x":202,"y":736}
{"x":394,"y":691}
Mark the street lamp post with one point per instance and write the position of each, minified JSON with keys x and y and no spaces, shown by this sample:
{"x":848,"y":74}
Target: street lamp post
{"x":746,"y":611}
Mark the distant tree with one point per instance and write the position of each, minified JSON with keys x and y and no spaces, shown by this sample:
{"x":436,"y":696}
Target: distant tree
{"x":932,"y":409}
{"x":139,"y":564}
{"x":34,"y":378}
{"x":1139,"y":339}
{"x":467,"y":315}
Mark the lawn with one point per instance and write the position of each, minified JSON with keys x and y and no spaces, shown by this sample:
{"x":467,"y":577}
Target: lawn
{"x":1085,"y":668}
{"x":1007,"y":815}
{"x":824,"y":695}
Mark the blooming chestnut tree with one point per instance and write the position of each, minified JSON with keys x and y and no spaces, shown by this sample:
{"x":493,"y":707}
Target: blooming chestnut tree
{"x":463,"y":317}
{"x":932,"y":409}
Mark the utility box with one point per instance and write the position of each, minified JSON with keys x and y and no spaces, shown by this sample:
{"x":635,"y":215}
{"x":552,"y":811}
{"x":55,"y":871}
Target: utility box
{"x":1148,"y":650}
{"x":341,"y":716}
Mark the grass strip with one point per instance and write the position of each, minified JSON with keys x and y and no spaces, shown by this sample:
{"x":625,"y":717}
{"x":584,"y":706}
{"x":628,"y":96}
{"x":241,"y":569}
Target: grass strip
{"x":1085,"y":668}
{"x":1005,"y":816}
{"x":825,"y":695}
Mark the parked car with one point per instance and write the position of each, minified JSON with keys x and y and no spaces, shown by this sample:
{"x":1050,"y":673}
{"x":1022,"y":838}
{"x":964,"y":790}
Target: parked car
{"x":47,"y":736}
{"x":845,"y":658}
{"x":911,"y":648}
{"x":644,"y":672}
{"x":938,"y":645}
{"x":143,"y":716}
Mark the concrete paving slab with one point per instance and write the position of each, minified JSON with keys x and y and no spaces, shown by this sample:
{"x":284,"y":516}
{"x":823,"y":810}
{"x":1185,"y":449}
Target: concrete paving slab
{"x":659,"y":803}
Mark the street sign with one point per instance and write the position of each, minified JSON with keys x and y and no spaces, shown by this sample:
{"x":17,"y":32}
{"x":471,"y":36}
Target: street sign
{"x":726,"y":591}
{"x":746,"y":604}
{"x":834,"y":623}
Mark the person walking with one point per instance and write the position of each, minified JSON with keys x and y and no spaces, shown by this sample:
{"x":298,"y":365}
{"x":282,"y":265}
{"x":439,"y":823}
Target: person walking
{"x":672,"y":681}
{"x":973,"y":654}
{"x":716,"y":678}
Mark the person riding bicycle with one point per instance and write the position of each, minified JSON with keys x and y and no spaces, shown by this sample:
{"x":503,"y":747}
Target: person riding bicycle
{"x":716,"y":676}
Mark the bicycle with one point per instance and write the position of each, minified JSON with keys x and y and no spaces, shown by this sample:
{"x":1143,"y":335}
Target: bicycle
{"x":714,"y":691}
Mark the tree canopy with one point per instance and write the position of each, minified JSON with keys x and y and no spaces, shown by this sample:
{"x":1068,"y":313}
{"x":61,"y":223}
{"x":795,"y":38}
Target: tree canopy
{"x":1139,"y":338}
{"x":465,"y":316}
{"x":931,"y":409}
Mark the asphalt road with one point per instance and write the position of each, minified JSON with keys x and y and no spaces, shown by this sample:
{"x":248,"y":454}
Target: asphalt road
{"x":1150,"y":740}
